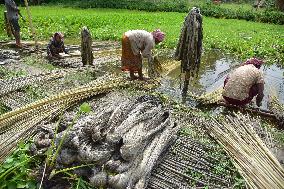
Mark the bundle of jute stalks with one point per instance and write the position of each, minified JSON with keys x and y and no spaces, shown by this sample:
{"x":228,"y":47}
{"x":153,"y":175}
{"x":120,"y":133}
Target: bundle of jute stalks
{"x":258,"y":166}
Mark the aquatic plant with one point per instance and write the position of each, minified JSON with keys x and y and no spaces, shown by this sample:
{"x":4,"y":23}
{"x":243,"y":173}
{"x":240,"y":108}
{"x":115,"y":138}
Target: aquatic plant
{"x":242,"y":38}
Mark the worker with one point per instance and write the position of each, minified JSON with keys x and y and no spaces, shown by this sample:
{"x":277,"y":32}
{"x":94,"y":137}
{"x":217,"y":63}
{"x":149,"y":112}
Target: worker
{"x":56,"y":46}
{"x":244,"y":83}
{"x":135,"y":45}
{"x":13,"y":17}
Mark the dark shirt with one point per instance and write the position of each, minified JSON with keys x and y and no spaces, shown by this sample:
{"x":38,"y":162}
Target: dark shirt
{"x":54,"y":47}
{"x":12,"y":9}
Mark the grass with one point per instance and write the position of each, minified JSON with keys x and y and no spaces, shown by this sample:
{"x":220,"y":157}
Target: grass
{"x":17,"y":170}
{"x":239,"y":37}
{"x":38,"y":62}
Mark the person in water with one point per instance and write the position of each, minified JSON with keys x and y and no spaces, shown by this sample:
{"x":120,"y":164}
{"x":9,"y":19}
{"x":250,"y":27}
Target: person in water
{"x":244,"y":83}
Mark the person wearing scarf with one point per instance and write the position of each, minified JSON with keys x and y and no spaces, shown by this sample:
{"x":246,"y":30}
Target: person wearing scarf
{"x":135,"y":45}
{"x":56,"y":46}
{"x":244,"y":83}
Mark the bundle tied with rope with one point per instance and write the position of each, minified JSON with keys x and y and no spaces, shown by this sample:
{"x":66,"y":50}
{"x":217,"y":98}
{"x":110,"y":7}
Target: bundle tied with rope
{"x":154,"y":67}
{"x":157,"y":65}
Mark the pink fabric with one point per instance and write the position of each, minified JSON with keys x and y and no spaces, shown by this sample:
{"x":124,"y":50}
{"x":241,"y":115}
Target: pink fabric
{"x":256,"y":62}
{"x":158,"y":35}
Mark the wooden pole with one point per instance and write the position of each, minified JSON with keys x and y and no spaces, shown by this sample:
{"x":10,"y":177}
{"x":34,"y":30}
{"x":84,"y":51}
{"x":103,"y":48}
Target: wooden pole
{"x":261,"y":112}
{"x":31,"y":23}
{"x":86,"y":47}
{"x":7,"y":25}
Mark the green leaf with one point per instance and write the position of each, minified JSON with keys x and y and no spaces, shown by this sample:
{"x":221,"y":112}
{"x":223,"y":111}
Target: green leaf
{"x":21,"y":185}
{"x":9,"y":160}
{"x":12,"y":185}
{"x":7,"y":165}
{"x":32,"y":184}
{"x":85,"y":107}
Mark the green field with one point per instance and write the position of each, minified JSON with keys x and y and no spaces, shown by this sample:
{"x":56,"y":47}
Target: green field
{"x":239,"y":37}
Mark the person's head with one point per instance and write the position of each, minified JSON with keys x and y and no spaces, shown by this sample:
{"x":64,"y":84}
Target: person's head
{"x":255,"y":61}
{"x":58,"y":36}
{"x":158,"y":35}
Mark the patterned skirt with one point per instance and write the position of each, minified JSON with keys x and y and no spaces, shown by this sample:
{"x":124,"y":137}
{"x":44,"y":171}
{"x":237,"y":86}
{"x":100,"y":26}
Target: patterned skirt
{"x":252,"y":93}
{"x":129,"y":61}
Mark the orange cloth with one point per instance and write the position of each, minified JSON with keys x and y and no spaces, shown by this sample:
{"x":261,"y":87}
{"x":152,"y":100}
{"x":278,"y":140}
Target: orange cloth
{"x":130,"y":62}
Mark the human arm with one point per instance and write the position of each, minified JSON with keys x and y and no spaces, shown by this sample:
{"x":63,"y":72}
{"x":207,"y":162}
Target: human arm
{"x":12,"y":5}
{"x":226,"y":81}
{"x":48,"y":48}
{"x":147,"y":51}
{"x":64,"y":49}
{"x":260,"y":89}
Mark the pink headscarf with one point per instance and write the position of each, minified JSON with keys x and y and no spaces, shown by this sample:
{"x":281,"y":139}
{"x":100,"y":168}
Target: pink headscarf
{"x":158,"y":35}
{"x":256,"y":62}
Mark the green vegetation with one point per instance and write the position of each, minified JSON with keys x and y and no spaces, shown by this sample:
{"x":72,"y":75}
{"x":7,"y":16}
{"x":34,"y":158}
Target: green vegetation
{"x":21,"y":169}
{"x":242,"y":38}
{"x":38,"y":62}
{"x":5,"y":73}
{"x":244,"y":10}
{"x":16,"y":171}
{"x":243,"y":13}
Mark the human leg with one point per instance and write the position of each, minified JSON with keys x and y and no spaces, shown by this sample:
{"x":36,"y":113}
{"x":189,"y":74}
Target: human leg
{"x":16,"y":28}
{"x":140,"y":74}
{"x":18,"y":39}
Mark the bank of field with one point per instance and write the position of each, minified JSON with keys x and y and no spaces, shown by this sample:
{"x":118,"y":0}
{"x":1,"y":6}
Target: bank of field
{"x":239,"y":37}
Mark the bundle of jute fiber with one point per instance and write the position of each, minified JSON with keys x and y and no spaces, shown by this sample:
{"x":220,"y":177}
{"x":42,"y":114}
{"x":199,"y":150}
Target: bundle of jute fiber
{"x":157,"y":65}
{"x":248,"y":152}
{"x":154,"y":67}
{"x":189,"y":47}
{"x":213,"y":97}
{"x":190,"y":43}
{"x":20,"y":124}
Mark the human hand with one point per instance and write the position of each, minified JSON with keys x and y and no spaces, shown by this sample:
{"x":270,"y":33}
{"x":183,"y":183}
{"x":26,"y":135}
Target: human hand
{"x":258,"y":104}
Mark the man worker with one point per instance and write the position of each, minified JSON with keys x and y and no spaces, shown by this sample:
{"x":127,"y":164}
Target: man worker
{"x":244,"y":83}
{"x":13,"y":18}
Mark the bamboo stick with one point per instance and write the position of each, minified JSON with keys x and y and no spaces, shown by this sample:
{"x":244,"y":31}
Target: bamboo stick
{"x":31,"y":23}
{"x":249,"y":154}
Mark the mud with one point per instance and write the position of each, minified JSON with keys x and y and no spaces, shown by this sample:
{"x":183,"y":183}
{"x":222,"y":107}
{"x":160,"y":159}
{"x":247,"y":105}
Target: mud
{"x":114,"y":137}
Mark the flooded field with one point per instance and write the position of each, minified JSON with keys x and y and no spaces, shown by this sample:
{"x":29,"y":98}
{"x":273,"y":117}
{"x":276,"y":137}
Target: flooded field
{"x":214,"y":68}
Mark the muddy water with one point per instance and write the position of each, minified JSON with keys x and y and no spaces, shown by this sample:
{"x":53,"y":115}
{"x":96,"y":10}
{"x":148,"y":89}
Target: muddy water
{"x":213,"y":71}
{"x":214,"y":68}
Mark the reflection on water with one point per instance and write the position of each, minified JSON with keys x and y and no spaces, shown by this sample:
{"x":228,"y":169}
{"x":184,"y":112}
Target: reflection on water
{"x":214,"y":68}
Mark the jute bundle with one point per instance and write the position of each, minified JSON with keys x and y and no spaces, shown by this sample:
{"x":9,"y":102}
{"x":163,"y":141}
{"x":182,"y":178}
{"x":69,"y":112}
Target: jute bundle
{"x":20,"y":124}
{"x":248,"y":152}
{"x":190,"y":43}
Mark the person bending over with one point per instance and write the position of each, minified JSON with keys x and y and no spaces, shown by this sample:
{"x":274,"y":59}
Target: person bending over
{"x":135,"y":45}
{"x":244,"y":83}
